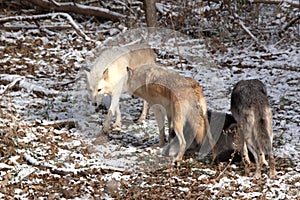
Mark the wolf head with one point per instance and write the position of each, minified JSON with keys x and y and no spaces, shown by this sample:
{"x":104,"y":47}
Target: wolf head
{"x":94,"y":88}
{"x":108,"y":74}
{"x":109,"y":82}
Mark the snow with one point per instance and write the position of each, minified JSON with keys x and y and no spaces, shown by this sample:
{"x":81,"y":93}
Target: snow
{"x":133,"y":148}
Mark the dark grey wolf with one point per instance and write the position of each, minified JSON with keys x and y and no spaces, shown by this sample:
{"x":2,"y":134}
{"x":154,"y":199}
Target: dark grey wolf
{"x":173,"y":93}
{"x":223,"y":129}
{"x":251,"y":109}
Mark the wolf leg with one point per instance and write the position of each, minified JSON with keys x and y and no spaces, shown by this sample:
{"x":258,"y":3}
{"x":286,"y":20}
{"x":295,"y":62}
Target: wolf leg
{"x":243,"y":133}
{"x":259,"y":163}
{"x":178,"y":128}
{"x":112,"y":110}
{"x":105,"y":127}
{"x":245,"y":157}
{"x":144,"y":112}
{"x":272,"y":166}
{"x":171,"y":130}
{"x":118,"y":122}
{"x":264,"y":160}
{"x":160,"y":118}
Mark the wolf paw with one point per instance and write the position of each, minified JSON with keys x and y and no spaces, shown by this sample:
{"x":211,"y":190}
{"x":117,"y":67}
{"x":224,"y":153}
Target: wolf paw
{"x":257,"y":175}
{"x":117,"y":125}
{"x":139,"y":120}
{"x":177,"y":159}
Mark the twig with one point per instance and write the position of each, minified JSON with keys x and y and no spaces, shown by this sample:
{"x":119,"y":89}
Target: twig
{"x":59,"y":170}
{"x":236,"y":146}
{"x":27,"y":85}
{"x":24,"y":27}
{"x":226,"y":167}
{"x":241,"y":23}
{"x":277,"y":2}
{"x":291,"y":23}
{"x":54,"y":2}
{"x":57,"y":124}
{"x":282,"y":39}
{"x":175,"y":37}
{"x":126,"y":6}
{"x":11,"y":85}
{"x":49,"y":15}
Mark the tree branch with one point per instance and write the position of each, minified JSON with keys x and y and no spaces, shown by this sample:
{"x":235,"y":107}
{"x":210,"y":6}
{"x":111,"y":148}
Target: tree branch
{"x":291,"y":23}
{"x":241,"y":23}
{"x":77,"y":8}
{"x":277,"y":2}
{"x":24,"y":83}
{"x":49,"y":27}
{"x":49,"y":15}
{"x":9,"y":86}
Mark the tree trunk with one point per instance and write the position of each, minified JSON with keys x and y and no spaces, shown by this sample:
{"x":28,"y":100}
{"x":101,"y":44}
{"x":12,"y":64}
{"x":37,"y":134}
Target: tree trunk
{"x":150,"y":10}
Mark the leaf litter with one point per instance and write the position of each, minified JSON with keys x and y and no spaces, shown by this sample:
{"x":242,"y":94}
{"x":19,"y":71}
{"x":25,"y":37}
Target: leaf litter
{"x":47,"y":124}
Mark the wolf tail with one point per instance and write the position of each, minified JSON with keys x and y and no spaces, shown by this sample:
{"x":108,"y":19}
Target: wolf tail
{"x":204,"y":137}
{"x":264,"y":130}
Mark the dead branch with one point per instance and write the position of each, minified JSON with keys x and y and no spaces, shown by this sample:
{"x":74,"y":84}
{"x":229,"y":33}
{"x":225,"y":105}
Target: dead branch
{"x":274,"y":2}
{"x":49,"y":15}
{"x":77,"y":8}
{"x":176,"y":43}
{"x":291,"y":23}
{"x":277,"y":2}
{"x":57,"y":124}
{"x":9,"y":86}
{"x":241,"y":23}
{"x":20,"y":27}
{"x":60,"y":170}
{"x":24,"y":83}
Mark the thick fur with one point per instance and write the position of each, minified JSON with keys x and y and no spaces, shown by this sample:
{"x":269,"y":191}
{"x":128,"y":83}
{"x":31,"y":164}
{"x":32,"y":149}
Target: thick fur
{"x":251,"y":109}
{"x":109,"y":72}
{"x":175,"y":95}
{"x":198,"y":93}
{"x":222,"y":126}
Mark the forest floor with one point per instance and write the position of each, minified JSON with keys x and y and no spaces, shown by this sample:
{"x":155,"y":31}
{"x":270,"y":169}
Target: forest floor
{"x":47,"y":123}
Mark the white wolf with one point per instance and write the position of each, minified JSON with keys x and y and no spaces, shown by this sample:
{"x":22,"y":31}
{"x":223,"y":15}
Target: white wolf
{"x":102,"y":82}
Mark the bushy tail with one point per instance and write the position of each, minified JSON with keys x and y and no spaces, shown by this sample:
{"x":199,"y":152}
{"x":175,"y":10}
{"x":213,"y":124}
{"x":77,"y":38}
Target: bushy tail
{"x":263,"y":126}
{"x":204,"y":137}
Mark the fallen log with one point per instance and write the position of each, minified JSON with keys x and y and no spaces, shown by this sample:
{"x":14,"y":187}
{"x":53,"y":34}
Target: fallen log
{"x":77,"y":8}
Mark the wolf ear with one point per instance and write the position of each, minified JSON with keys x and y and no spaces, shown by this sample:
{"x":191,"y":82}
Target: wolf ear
{"x":105,"y":74}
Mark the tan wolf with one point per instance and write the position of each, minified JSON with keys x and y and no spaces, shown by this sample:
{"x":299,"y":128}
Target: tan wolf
{"x":160,"y":114}
{"x":251,"y":109}
{"x":102,"y":82}
{"x":185,"y":109}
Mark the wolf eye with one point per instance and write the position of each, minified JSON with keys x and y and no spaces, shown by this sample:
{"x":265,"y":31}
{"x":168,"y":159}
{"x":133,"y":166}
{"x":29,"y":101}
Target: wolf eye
{"x":99,"y":90}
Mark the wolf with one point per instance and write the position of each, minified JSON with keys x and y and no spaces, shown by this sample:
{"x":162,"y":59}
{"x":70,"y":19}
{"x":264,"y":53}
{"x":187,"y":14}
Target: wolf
{"x":251,"y":109}
{"x":176,"y":98}
{"x":198,"y":93}
{"x":102,"y":82}
{"x":223,"y":129}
